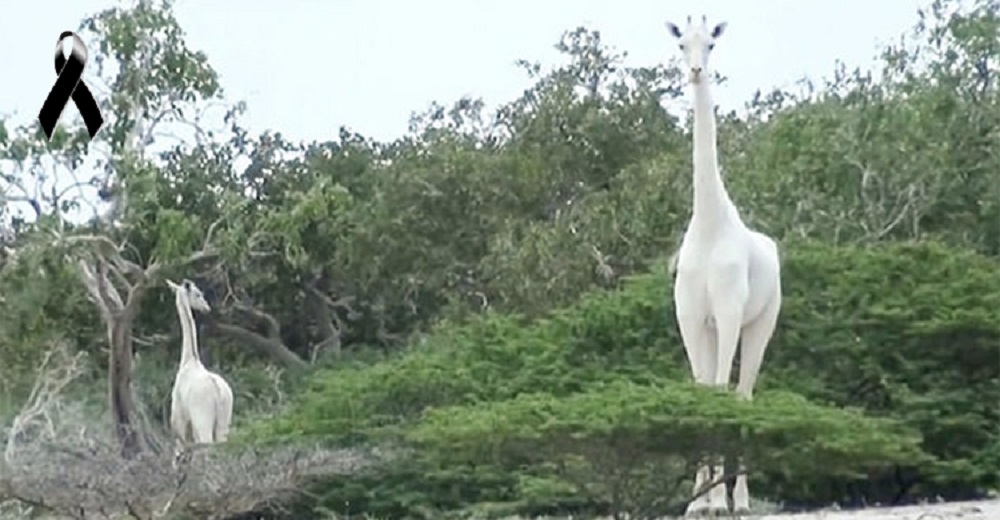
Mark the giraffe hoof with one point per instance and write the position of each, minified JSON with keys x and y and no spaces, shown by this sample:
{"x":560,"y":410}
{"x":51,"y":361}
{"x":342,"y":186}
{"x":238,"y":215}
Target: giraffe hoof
{"x":706,"y":511}
{"x":697,"y":510}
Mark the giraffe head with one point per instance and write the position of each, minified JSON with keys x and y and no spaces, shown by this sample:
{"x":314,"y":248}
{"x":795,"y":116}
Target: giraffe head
{"x":696,"y":43}
{"x":191,"y":294}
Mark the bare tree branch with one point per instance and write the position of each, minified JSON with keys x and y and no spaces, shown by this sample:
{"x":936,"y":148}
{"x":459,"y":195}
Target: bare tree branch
{"x":340,"y":303}
{"x":323,"y":311}
{"x":83,"y":476}
{"x":270,"y":342}
{"x":273,"y":327}
{"x":57,"y":370}
{"x":108,"y":302}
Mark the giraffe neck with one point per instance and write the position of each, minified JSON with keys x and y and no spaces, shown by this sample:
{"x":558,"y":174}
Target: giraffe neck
{"x":711,"y":202}
{"x":189,"y":337}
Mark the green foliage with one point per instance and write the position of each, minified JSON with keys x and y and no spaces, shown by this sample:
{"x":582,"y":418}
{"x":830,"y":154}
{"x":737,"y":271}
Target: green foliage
{"x":497,"y":357}
{"x":907,"y":151}
{"x":617,"y":429}
{"x":857,"y":331}
{"x":910,"y":333}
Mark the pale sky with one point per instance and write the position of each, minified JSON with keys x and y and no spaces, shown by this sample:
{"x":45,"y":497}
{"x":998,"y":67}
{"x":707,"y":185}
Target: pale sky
{"x":307,"y":67}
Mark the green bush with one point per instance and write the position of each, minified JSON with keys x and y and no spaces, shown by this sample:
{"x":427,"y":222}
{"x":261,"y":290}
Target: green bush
{"x":603,"y":442}
{"x":904,"y":332}
{"x":908,"y":331}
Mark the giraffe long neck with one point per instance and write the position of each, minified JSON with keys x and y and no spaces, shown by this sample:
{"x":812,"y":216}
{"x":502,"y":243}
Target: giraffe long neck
{"x":189,"y":337}
{"x":711,"y":202}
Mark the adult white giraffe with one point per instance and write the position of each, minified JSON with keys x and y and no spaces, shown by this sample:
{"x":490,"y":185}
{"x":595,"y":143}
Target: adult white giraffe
{"x":201,"y":400}
{"x":727,"y":288}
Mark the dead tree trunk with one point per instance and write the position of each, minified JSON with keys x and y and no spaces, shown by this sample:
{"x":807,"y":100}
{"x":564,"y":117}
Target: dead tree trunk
{"x":118,"y":317}
{"x":123,"y":411}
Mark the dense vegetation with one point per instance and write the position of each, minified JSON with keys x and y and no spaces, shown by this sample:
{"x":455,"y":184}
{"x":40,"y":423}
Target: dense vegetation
{"x":484,"y":303}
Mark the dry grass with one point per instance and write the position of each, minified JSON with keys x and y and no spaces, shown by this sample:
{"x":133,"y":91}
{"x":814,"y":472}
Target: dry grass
{"x":62,"y":462}
{"x":89,"y":480}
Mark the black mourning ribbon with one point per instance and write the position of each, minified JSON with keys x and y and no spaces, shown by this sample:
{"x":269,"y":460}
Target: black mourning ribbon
{"x":68,"y":86}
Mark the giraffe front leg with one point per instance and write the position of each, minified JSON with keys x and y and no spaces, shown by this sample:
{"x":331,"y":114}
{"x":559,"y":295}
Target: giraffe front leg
{"x":713,"y":502}
{"x":179,"y":427}
{"x":700,"y":506}
{"x":753,"y":344}
{"x":741,"y":493}
{"x":728,"y":299}
{"x":699,"y":344}
{"x":718,"y":501}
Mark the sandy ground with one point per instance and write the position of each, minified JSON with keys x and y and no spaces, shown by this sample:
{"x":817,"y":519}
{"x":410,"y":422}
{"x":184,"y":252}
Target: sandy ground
{"x":973,"y":510}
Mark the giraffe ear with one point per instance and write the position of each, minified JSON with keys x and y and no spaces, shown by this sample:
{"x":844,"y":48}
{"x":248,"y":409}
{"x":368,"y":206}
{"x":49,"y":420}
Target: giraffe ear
{"x":719,"y":29}
{"x":172,"y":285}
{"x":674,"y":30}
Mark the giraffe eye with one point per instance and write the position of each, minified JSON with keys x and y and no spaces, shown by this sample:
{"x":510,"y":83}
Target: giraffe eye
{"x":711,"y":46}
{"x":681,"y":46}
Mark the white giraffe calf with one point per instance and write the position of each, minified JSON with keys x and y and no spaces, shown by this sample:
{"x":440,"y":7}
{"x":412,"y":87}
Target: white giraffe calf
{"x":201,"y":401}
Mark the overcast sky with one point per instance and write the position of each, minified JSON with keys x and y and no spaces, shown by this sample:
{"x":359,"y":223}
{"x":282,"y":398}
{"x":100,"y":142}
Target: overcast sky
{"x":307,"y":67}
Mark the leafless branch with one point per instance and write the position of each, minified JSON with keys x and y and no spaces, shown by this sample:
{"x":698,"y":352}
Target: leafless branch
{"x":340,"y":303}
{"x":117,"y":267}
{"x":386,"y":337}
{"x":64,"y":467}
{"x":77,"y":477}
{"x":270,"y":342}
{"x":909,"y":197}
{"x":108,"y":302}
{"x":273,"y":327}
{"x":33,"y":202}
{"x":325,"y":313}
{"x":57,"y":369}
